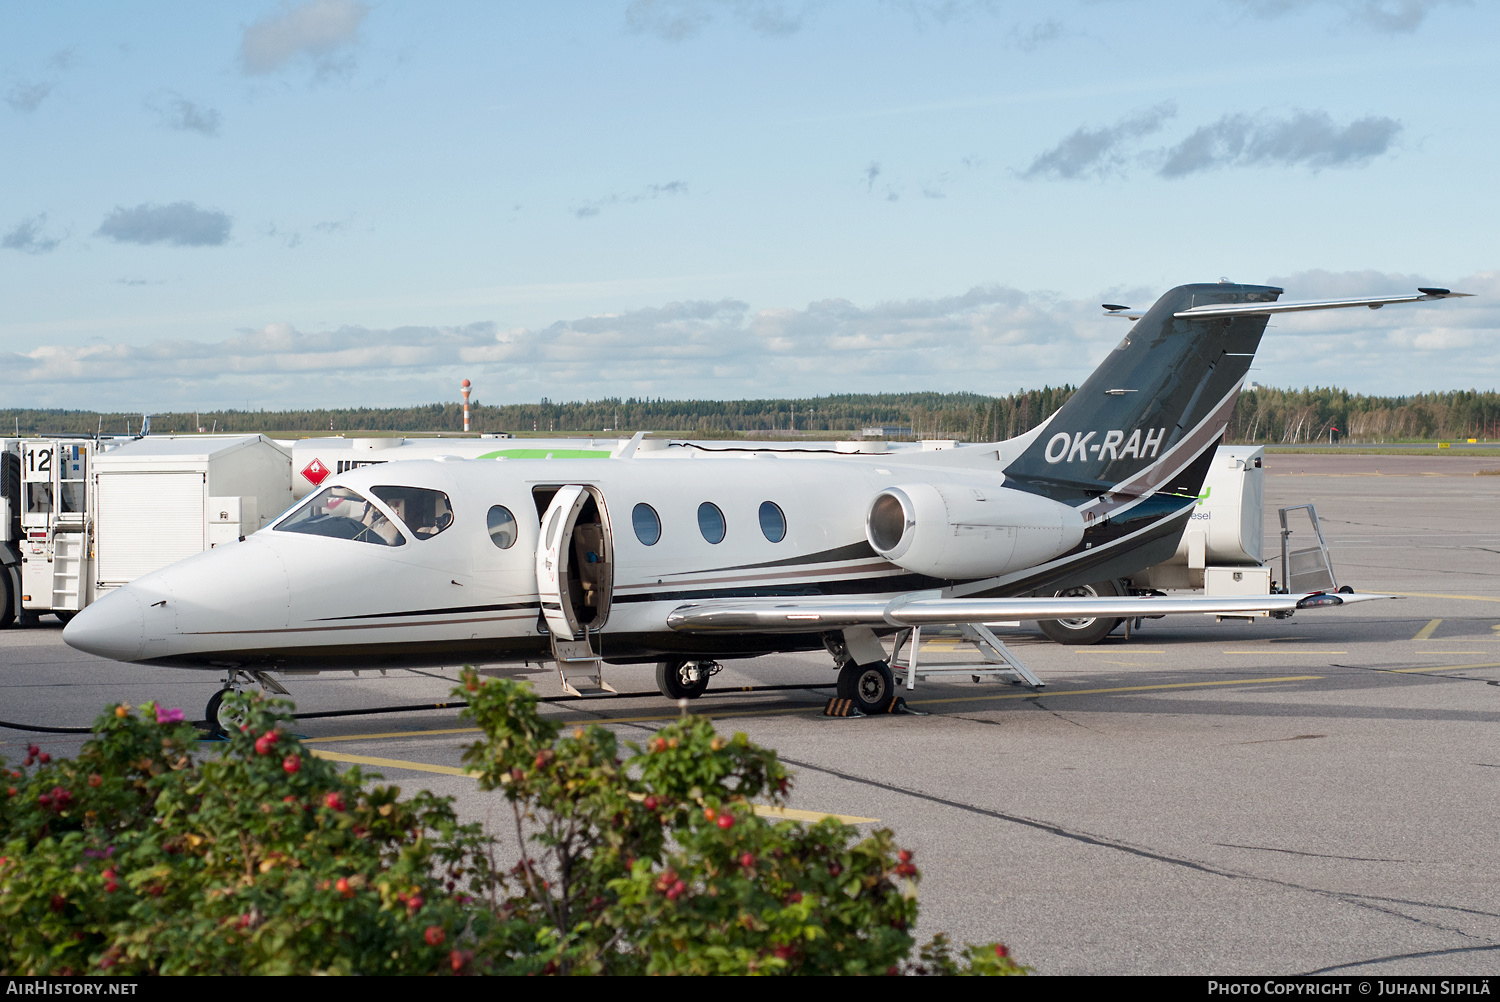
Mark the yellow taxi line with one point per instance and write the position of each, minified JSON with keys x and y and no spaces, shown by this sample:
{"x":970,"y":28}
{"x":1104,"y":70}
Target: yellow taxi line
{"x":1122,"y":688}
{"x":1279,"y":650}
{"x":1428,"y":594}
{"x":1427,"y":630}
{"x":762,"y":810}
{"x":1029,"y":694}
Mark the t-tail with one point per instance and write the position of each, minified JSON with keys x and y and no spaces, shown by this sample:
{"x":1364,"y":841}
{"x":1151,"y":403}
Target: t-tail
{"x":1148,"y":418}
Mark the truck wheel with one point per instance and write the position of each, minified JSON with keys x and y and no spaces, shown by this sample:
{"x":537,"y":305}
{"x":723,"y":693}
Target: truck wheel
{"x":681,"y":679}
{"x":7,"y":599}
{"x":871,"y":686}
{"x":1083,"y":632}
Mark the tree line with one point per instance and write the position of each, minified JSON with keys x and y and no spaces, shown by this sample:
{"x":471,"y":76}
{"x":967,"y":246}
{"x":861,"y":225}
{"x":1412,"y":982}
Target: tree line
{"x":1262,"y":415}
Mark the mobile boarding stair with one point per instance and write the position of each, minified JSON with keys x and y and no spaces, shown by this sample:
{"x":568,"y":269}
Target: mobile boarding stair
{"x":998,"y":662}
{"x":1307,"y":568}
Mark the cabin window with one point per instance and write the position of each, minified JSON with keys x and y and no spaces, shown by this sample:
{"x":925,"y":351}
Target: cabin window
{"x":343,"y":514}
{"x":772,"y":521}
{"x":425,"y":512}
{"x":647,"y":525}
{"x":711,"y":522}
{"x":503,"y":528}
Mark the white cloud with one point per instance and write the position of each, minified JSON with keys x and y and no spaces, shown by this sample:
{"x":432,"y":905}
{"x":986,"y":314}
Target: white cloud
{"x":1396,"y":16}
{"x":28,"y":97}
{"x":181,"y":224}
{"x":177,"y":112}
{"x":990,"y":339}
{"x":317,"y":31}
{"x":29,"y":236}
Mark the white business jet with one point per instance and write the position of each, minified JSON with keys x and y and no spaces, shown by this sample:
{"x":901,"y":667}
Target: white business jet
{"x":624,"y":561}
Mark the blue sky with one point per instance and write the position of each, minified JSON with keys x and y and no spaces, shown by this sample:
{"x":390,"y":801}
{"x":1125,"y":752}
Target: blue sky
{"x":336,"y":203}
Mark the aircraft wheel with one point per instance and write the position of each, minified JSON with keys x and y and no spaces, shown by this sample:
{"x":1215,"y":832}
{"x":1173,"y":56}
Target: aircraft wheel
{"x":7,"y":599}
{"x":1082,"y":632}
{"x":219,"y":717}
{"x":681,"y":679}
{"x":871,"y":686}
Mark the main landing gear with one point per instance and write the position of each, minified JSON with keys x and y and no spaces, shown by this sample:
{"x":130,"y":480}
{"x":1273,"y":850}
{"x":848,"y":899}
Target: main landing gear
{"x":685,"y":679}
{"x":870,"y":686}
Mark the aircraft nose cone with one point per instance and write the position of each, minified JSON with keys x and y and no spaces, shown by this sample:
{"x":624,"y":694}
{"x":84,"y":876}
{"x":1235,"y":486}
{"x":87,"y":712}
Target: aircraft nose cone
{"x":113,"y":627}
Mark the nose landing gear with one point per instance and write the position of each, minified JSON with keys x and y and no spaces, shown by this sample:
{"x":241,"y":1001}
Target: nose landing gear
{"x":221,"y":718}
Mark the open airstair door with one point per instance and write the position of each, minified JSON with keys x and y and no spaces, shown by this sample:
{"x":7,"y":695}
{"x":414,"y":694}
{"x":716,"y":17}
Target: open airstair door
{"x":575,"y":563}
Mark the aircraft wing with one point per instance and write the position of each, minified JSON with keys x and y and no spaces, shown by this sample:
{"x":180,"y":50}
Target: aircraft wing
{"x":814,"y":615}
{"x":1373,"y":302}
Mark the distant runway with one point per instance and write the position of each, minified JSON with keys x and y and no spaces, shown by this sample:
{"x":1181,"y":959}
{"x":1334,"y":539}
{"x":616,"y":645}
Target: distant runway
{"x":1317,"y":794}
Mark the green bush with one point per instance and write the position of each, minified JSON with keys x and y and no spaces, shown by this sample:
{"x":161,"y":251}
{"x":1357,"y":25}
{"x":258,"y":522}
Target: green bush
{"x":146,"y":855}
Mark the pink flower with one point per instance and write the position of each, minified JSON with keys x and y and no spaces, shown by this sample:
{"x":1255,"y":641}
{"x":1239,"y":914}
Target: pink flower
{"x":172,"y":716}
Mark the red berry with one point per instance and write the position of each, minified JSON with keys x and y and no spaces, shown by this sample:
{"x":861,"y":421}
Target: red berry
{"x":726,"y":821}
{"x":292,"y":763}
{"x":10,"y":791}
{"x":784,"y":952}
{"x":342,"y":886}
{"x":834,"y":869}
{"x":904,"y":856}
{"x":265,"y":743}
{"x":659,"y":745}
{"x":44,"y":758}
{"x":244,"y":920}
{"x":95,"y":779}
{"x":33,"y":750}
{"x":794,"y":898}
{"x":434,"y":935}
{"x":676,"y":890}
{"x":708,"y":812}
{"x":44,"y":799}
{"x":28,"y":760}
{"x":1001,"y":951}
{"x":460,"y":959}
{"x":747,"y":860}
{"x":650,"y":803}
{"x":334,"y":802}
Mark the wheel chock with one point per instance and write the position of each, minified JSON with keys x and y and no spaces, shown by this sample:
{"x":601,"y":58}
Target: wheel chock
{"x":842,"y":708}
{"x":898,"y":705}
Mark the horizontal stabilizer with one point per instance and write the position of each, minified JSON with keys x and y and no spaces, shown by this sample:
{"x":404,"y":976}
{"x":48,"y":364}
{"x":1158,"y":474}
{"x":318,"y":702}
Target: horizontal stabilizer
{"x":1262,"y":309}
{"x":775,"y":615}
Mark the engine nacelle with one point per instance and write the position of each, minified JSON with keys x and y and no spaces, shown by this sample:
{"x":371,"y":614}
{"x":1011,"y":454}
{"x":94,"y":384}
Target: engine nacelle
{"x":950,"y":531}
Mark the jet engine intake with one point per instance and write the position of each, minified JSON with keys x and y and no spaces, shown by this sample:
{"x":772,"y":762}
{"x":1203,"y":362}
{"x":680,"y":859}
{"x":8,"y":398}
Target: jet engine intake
{"x":959,"y":531}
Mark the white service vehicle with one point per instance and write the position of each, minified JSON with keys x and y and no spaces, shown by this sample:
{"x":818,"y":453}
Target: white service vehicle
{"x":46,"y":527}
{"x":162,"y":498}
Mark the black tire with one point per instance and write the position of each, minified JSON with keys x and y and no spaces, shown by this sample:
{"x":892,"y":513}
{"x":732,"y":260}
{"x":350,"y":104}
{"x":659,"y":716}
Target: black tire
{"x":7,"y":599}
{"x":674,"y":679}
{"x":871,"y":686}
{"x":65,"y":617}
{"x":216,"y":715}
{"x":1083,"y":632}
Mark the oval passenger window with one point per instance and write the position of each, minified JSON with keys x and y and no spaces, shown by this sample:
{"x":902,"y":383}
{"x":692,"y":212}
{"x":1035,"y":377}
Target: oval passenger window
{"x":647,"y":524}
{"x":772,"y":521}
{"x":503,"y":528}
{"x":711,"y":522}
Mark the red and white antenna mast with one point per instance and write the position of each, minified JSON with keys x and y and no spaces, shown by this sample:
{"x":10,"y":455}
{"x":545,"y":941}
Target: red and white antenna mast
{"x":465,"y":386}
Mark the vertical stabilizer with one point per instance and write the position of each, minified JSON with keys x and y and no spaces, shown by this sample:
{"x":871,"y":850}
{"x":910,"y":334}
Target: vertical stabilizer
{"x":1156,"y":404}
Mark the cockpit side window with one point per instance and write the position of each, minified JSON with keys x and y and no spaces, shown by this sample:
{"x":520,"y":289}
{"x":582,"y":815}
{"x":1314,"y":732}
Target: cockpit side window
{"x":343,"y":514}
{"x":425,"y":512}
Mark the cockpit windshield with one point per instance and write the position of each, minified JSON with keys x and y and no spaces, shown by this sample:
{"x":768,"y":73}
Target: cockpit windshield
{"x":343,"y":514}
{"x":425,"y":512}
